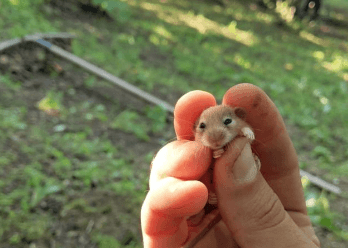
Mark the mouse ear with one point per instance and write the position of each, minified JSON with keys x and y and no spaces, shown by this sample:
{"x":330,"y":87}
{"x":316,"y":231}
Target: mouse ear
{"x":240,"y":112}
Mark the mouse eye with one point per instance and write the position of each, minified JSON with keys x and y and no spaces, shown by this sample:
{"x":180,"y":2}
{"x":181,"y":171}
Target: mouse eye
{"x":202,"y":125}
{"x":228,"y":121}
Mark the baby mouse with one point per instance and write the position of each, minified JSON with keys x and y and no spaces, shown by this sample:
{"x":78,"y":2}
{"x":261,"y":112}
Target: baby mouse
{"x":215,"y":128}
{"x":219,"y":125}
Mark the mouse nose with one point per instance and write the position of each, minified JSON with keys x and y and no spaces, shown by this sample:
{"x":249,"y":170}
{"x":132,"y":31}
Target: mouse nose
{"x":216,"y":139}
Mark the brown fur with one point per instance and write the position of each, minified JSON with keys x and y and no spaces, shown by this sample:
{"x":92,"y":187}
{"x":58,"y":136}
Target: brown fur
{"x":216,"y":134}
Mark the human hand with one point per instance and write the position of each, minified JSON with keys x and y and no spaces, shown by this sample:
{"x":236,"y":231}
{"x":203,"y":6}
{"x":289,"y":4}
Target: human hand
{"x":266,"y":209}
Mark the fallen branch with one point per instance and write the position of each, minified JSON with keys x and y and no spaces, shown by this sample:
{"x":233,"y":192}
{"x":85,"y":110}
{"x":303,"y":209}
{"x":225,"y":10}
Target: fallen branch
{"x":34,"y":37}
{"x":105,"y":75}
{"x":321,"y":183}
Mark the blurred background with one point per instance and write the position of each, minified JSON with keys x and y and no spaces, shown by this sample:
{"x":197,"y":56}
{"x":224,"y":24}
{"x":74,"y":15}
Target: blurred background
{"x":75,"y":148}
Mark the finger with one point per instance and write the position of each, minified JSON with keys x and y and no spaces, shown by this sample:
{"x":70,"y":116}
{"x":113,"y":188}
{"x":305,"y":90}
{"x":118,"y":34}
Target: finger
{"x":188,"y":108}
{"x":164,"y":211}
{"x":272,"y":144}
{"x":174,"y":193}
{"x":185,"y":160}
{"x":179,"y":160}
{"x":249,"y":207}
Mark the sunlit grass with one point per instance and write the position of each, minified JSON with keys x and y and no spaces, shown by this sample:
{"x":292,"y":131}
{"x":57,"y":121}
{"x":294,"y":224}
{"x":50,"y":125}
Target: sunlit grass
{"x":338,"y":63}
{"x":286,"y":12}
{"x":312,"y":38}
{"x":201,"y":23}
{"x":14,"y":2}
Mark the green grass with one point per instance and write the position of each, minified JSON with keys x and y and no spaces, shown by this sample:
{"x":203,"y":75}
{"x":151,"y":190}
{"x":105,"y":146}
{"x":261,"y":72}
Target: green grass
{"x":21,"y":17}
{"x":42,"y":164}
{"x":167,"y":48}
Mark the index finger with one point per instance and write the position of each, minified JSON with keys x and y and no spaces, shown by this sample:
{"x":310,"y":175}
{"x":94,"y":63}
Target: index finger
{"x":188,"y":108}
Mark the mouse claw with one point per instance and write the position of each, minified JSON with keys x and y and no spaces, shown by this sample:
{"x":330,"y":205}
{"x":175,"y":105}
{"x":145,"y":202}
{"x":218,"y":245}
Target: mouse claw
{"x":247,"y":132}
{"x":212,"y":198}
{"x":218,"y":153}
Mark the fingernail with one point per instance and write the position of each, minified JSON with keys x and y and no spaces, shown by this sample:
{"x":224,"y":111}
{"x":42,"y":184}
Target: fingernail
{"x":246,"y":166}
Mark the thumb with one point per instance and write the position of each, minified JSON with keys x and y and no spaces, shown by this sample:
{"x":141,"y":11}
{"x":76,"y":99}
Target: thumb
{"x":249,"y":207}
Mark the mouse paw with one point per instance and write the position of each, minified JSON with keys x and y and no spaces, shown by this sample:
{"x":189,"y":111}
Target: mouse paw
{"x":218,"y":153}
{"x":247,"y":132}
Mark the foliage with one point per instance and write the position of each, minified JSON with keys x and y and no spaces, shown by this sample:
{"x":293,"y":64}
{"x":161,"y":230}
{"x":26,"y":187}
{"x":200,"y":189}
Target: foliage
{"x":4,"y":79}
{"x":106,"y":241}
{"x":157,"y":115}
{"x":11,"y":119}
{"x":122,"y":9}
{"x":18,"y":14}
{"x":51,"y":103}
{"x":130,"y":121}
{"x":318,"y":208}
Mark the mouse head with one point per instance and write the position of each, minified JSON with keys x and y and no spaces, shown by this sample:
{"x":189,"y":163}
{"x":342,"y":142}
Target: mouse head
{"x":218,"y":125}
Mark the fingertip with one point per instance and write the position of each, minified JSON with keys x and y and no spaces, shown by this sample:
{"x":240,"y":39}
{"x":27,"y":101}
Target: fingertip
{"x":185,"y":160}
{"x":188,"y":109}
{"x":174,"y":197}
